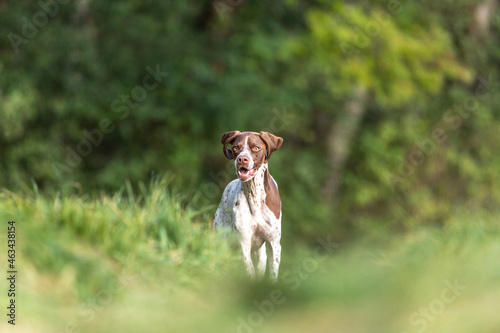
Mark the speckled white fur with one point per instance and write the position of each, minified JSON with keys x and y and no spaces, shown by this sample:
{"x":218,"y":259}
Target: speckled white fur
{"x":243,"y":207}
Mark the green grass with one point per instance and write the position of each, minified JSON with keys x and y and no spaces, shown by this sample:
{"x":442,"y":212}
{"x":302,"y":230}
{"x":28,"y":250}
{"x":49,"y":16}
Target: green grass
{"x":147,"y":261}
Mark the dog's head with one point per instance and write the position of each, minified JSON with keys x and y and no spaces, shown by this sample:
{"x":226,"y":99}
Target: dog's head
{"x":250,"y":150}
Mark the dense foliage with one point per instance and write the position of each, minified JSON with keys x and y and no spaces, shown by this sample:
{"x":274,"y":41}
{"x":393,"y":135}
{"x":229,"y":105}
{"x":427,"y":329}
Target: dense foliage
{"x":389,"y":109}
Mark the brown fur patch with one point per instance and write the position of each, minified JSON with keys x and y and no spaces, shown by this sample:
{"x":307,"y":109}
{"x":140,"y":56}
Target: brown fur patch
{"x":273,"y":200}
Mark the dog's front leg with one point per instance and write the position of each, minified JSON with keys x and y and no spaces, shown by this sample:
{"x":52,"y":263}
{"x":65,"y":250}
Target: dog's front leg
{"x":261,"y":261}
{"x":274,"y":258}
{"x":246,"y":249}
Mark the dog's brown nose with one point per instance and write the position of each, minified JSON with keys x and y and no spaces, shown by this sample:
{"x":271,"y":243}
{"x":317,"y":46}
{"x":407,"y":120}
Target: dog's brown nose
{"x":243,"y":160}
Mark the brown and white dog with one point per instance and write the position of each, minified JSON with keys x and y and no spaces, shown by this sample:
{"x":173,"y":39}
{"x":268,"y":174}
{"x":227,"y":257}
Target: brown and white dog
{"x":251,"y":204}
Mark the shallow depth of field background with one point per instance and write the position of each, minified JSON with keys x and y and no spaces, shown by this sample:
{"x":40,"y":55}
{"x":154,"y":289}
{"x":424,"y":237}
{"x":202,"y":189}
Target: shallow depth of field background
{"x":111,"y":115}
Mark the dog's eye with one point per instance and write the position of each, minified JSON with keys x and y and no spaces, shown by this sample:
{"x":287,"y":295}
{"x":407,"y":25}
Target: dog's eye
{"x":256,"y":148}
{"x":236,"y":148}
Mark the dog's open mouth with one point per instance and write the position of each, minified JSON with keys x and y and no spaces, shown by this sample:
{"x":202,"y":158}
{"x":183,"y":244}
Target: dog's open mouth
{"x":245,"y":174}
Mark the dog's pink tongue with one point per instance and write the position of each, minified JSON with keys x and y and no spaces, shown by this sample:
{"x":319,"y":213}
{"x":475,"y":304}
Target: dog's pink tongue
{"x":246,"y":174}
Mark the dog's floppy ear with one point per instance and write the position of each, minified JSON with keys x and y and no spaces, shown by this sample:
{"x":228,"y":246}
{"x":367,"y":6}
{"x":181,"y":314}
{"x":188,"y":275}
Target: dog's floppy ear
{"x":272,"y":142}
{"x":226,"y":139}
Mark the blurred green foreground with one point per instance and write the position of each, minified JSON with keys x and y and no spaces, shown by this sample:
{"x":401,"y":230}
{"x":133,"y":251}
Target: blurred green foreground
{"x":146,"y":261}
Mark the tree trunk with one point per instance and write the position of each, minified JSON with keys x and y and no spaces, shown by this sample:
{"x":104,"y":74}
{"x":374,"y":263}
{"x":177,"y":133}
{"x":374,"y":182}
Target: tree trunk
{"x":339,"y":141}
{"x":483,"y":13}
